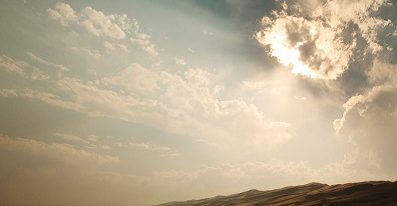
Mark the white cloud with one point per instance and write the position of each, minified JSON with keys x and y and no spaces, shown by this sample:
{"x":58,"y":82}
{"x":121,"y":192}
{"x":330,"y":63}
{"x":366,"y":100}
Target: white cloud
{"x":322,"y":39}
{"x":144,"y":41}
{"x":63,"y":13}
{"x":8,"y":93}
{"x":109,"y":47}
{"x":369,"y":119}
{"x":22,"y":68}
{"x":186,"y":104}
{"x":164,"y":151}
{"x":40,"y":60}
{"x":88,"y":52}
{"x":369,"y":122}
{"x":72,"y":138}
{"x":114,"y":27}
{"x":180,"y":61}
{"x":191,"y":105}
{"x":46,"y":97}
{"x":63,"y":153}
{"x":11,"y":65}
{"x":100,"y":24}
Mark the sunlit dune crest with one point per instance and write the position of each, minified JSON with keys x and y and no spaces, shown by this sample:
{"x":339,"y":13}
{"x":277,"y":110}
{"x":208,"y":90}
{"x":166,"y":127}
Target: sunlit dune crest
{"x":360,"y":193}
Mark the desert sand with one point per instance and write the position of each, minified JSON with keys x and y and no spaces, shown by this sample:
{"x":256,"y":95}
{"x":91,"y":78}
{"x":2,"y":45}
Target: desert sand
{"x":362,"y":193}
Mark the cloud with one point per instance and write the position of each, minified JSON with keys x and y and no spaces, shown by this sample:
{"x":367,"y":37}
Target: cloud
{"x":87,"y":52}
{"x":188,"y":104}
{"x":63,"y":13}
{"x":144,"y":41}
{"x":46,"y":97}
{"x":100,"y":24}
{"x":34,"y":69}
{"x":11,"y":65}
{"x":40,"y":60}
{"x":114,"y":27}
{"x":72,"y":138}
{"x":348,"y":46}
{"x":180,"y":61}
{"x":110,"y":47}
{"x":369,"y":122}
{"x":58,"y":174}
{"x":21,"y":68}
{"x":192,"y":51}
{"x":8,"y":93}
{"x":64,"y":153}
{"x":64,"y":173}
{"x":164,"y":151}
{"x":322,"y":39}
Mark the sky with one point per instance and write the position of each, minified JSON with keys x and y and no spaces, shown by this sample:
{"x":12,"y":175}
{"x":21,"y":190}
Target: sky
{"x":144,"y":102}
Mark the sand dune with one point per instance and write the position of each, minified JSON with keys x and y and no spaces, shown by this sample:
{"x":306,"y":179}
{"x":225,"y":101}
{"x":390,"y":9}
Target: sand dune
{"x":362,"y":193}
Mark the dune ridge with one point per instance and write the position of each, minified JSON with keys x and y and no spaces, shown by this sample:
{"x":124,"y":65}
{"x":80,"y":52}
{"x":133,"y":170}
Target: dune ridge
{"x":360,"y":193}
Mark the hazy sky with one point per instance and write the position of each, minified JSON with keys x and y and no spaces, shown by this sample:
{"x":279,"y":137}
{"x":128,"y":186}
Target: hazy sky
{"x":144,"y":102}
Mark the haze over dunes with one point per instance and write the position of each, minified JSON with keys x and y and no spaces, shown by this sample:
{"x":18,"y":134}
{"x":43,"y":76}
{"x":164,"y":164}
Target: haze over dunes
{"x":362,"y":193}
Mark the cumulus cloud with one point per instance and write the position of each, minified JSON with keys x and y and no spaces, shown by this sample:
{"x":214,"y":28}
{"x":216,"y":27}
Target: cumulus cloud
{"x":369,"y":122}
{"x":144,"y":41}
{"x":191,"y":99}
{"x":114,"y":27}
{"x":64,"y":13}
{"x":186,"y":104}
{"x":100,"y":24}
{"x":351,"y":43}
{"x":322,"y":39}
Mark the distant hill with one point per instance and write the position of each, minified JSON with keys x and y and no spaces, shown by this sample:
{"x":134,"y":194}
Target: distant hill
{"x":362,"y":193}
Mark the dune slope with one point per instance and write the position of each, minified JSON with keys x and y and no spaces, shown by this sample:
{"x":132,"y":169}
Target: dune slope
{"x":362,"y":193}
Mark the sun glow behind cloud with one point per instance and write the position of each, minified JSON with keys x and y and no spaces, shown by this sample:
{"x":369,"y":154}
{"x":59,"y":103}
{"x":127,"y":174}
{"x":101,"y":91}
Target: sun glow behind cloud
{"x":287,"y":55}
{"x":311,"y":47}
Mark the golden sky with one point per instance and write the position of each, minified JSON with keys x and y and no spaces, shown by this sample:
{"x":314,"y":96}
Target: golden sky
{"x":144,"y":102}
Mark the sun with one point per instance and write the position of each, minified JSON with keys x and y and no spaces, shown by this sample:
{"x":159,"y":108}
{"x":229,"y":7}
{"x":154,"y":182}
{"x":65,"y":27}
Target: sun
{"x":287,"y":55}
{"x":290,"y":57}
